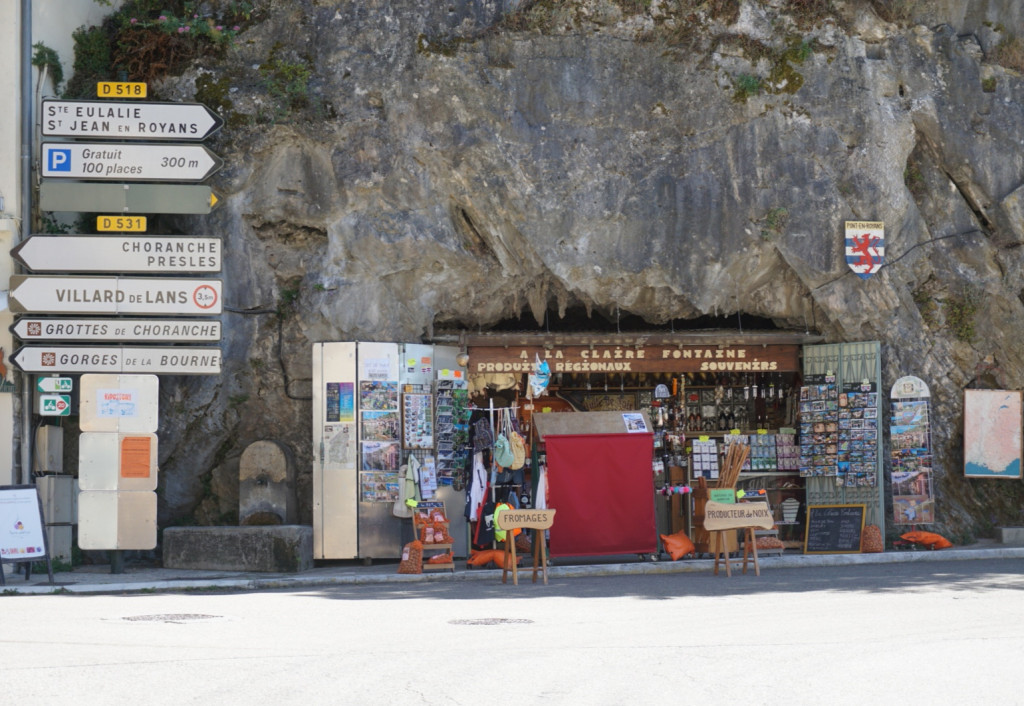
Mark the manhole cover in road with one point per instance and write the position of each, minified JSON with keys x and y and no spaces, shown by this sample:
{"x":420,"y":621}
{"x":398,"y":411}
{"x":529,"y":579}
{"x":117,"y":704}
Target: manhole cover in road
{"x":170,"y":617}
{"x":489,"y":621}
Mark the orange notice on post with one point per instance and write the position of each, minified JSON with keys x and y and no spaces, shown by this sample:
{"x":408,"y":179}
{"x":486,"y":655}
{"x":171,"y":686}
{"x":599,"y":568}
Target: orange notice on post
{"x":135,"y":453}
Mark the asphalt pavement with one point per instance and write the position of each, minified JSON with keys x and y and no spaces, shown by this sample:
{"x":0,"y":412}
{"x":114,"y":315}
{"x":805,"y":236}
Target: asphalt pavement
{"x":140,"y":577}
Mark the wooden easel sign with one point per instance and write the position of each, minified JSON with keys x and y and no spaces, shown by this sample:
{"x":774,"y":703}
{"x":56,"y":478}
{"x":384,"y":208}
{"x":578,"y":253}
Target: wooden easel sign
{"x":22,"y":538}
{"x":723,"y":517}
{"x":537,"y":520}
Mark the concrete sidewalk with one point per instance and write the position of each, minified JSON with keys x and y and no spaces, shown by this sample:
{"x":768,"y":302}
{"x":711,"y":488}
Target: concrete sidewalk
{"x":99,"y":579}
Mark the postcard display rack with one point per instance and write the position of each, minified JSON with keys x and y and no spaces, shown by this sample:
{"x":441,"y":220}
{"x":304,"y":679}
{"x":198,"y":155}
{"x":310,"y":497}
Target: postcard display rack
{"x":839,"y":433}
{"x":840,"y":445}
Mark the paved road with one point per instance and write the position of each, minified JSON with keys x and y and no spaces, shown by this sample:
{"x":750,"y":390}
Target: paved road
{"x":920,"y":633}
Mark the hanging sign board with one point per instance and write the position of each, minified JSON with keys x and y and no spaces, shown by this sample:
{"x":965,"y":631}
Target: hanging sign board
{"x":833,"y":529}
{"x":637,"y":359}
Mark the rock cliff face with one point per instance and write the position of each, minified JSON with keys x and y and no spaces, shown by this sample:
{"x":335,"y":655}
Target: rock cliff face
{"x":396,"y":166}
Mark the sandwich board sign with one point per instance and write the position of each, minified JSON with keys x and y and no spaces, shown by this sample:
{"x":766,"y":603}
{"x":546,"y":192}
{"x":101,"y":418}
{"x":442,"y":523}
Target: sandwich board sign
{"x":22,"y":539}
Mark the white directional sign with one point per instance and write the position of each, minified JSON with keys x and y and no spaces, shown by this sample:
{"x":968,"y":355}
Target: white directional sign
{"x":128,"y":120}
{"x":54,"y":385}
{"x":119,"y":253}
{"x":121,"y":330}
{"x":118,"y":359}
{"x":109,"y":161}
{"x":42,"y":294}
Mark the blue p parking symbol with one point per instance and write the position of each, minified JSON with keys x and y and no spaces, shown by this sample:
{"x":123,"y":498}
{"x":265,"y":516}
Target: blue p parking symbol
{"x":58,"y":160}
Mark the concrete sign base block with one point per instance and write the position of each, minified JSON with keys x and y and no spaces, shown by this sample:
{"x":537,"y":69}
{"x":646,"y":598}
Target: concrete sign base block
{"x":1013,"y":536}
{"x":278,"y":548}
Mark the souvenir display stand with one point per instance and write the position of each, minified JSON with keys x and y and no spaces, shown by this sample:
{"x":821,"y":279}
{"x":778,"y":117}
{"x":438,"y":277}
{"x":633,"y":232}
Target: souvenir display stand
{"x":427,"y":525}
{"x":599,"y":478}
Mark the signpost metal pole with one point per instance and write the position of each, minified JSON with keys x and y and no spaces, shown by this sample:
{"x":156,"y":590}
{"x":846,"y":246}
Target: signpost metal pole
{"x":27,"y":133}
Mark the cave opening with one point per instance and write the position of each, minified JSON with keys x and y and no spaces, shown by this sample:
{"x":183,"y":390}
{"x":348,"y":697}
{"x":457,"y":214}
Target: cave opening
{"x":579,"y":320}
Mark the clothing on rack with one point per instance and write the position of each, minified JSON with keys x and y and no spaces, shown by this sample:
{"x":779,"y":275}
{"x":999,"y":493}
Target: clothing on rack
{"x":478,"y":487}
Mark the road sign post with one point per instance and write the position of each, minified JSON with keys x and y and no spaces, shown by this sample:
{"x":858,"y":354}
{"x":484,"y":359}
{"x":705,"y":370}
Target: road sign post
{"x":171,"y":330}
{"x":113,"y":253}
{"x":124,"y":120}
{"x":97,"y":197}
{"x":156,"y":360}
{"x":42,"y":294}
{"x":109,"y":161}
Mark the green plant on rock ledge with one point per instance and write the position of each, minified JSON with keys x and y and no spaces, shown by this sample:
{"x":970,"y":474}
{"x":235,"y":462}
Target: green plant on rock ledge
{"x":959,"y":311}
{"x":774,"y":222}
{"x":287,"y":79}
{"x":746,"y":85}
{"x":914,"y":180}
{"x":289,"y":296}
{"x":1009,"y":53}
{"x":144,"y":40}
{"x":927,"y":306}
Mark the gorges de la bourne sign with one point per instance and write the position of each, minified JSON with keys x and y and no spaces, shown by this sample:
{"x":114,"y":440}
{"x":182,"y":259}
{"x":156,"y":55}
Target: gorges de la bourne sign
{"x":633,"y":359}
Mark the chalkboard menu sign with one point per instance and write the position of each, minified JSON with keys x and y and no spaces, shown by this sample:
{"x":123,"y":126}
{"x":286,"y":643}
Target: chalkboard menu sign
{"x":833,"y":529}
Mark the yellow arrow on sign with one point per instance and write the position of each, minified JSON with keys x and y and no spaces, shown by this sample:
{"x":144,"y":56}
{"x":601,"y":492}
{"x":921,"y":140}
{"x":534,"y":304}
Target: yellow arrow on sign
{"x":213,"y":199}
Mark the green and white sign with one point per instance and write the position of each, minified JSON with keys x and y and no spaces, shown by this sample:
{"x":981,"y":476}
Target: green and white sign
{"x":53,"y":384}
{"x":55,"y":405}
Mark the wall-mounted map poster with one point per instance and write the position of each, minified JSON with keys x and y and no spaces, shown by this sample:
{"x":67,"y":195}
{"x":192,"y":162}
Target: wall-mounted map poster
{"x":992,"y":434}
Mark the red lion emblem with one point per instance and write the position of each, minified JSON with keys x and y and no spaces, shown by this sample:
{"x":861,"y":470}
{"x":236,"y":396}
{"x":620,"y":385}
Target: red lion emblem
{"x":866,"y":246}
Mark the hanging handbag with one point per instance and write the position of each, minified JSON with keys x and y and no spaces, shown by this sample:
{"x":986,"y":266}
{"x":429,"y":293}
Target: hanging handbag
{"x":502,"y":452}
{"x":503,"y":455}
{"x":483,"y":438}
{"x":518,"y":445}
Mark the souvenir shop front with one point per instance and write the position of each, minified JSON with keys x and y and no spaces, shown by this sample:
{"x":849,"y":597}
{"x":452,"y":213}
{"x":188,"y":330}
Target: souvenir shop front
{"x":664,"y":407}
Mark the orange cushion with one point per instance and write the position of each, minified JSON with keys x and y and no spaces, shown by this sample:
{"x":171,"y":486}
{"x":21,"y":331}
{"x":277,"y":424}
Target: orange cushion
{"x":678,"y":545}
{"x":488,"y":556}
{"x":928,"y":539}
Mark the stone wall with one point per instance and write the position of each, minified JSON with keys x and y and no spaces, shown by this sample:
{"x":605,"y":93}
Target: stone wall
{"x":451,"y":166}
